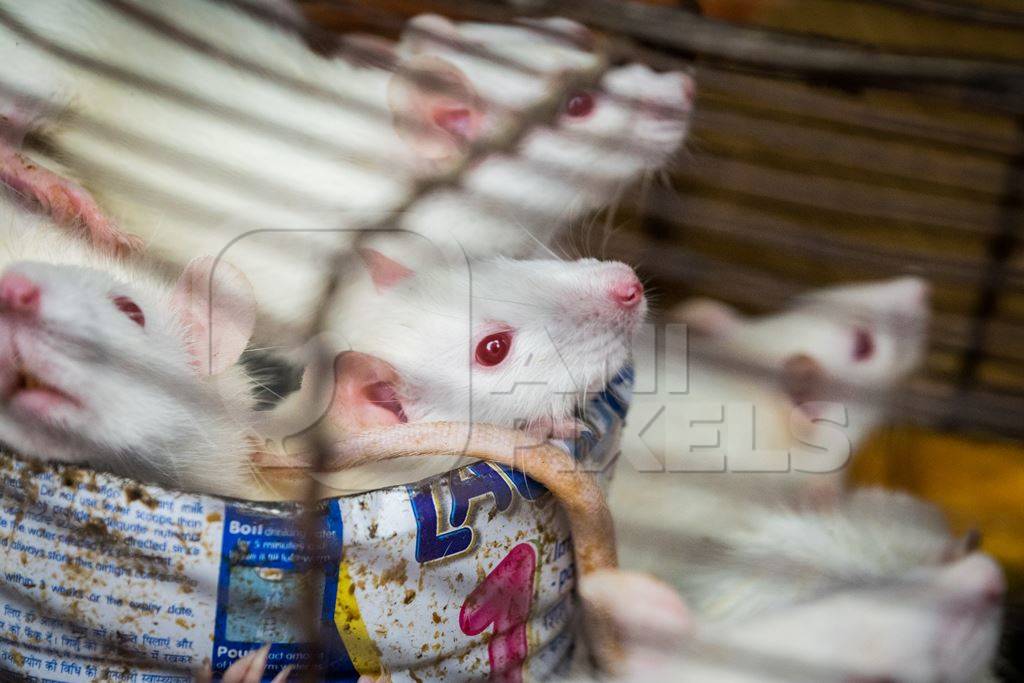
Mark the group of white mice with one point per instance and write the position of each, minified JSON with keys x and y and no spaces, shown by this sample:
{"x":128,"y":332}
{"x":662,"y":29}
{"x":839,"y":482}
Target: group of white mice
{"x":244,"y":161}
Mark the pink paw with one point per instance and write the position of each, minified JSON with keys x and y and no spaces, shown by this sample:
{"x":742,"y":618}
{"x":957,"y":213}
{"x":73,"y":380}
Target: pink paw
{"x":248,"y":669}
{"x":68,"y":203}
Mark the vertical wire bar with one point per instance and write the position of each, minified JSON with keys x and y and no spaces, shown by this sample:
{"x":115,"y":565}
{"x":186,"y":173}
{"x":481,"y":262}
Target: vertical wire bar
{"x":999,"y":252}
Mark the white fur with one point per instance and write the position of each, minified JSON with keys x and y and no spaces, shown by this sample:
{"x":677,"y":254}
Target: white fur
{"x":569,"y":339}
{"x":558,"y":172}
{"x":336,"y":191}
{"x":145,"y":412}
{"x":865,"y":587}
{"x":869,"y":589}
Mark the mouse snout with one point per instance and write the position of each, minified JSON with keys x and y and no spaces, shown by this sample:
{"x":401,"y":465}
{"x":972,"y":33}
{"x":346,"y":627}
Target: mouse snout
{"x":923,"y":293}
{"x":979,"y":576}
{"x":909,"y":292}
{"x":689,"y":86}
{"x":18,"y":294}
{"x":627,"y":292}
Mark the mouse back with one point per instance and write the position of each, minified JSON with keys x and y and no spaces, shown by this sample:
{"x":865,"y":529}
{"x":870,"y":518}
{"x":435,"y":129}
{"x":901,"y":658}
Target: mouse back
{"x":785,"y":554}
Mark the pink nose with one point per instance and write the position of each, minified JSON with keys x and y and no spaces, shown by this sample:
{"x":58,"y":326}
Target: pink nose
{"x":993,"y":587}
{"x":18,"y":294}
{"x":689,"y":89}
{"x":627,"y":293}
{"x":981,"y":578}
{"x":925,"y":295}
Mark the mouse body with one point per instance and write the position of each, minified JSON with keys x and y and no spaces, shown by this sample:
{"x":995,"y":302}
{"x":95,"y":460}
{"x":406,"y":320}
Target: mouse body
{"x":879,"y":568}
{"x":104,"y":364}
{"x":874,"y":587}
{"x":276,"y":195}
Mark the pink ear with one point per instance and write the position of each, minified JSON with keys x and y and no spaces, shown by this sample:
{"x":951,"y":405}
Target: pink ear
{"x":435,"y":108}
{"x":217,"y":304}
{"x":385,"y":272}
{"x":365,"y":393}
{"x":804,"y":380}
{"x":706,"y":316}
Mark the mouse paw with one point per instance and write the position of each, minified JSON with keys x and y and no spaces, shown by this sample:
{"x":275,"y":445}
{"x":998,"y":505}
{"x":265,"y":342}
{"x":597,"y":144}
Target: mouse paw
{"x":250,"y":668}
{"x":68,"y":203}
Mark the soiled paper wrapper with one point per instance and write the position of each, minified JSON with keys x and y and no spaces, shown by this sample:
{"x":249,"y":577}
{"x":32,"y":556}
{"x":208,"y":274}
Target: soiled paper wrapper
{"x":455,"y":577}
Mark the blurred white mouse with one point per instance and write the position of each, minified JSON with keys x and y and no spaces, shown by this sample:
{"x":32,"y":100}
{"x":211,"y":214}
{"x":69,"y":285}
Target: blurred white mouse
{"x":607,"y":136}
{"x":874,"y":588}
{"x":778,"y":402}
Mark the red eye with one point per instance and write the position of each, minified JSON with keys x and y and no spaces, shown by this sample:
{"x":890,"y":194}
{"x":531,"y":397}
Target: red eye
{"x":863,"y":345}
{"x":130,"y":309}
{"x":579,"y":104}
{"x":493,"y":348}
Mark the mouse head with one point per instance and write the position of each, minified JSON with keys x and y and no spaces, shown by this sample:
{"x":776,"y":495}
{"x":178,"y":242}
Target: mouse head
{"x":634,"y":121}
{"x":478,"y":92}
{"x":871,"y":335}
{"x":106,"y":365}
{"x":879,"y":329}
{"x":505,"y":342}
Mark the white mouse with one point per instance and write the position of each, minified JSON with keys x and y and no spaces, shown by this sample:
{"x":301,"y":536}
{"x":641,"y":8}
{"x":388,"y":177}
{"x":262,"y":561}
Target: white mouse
{"x":312,"y":162}
{"x":805,"y":388}
{"x":937,"y":624}
{"x":606,"y":136}
{"x":875,"y":588}
{"x":106,"y":365}
{"x":504,"y":342}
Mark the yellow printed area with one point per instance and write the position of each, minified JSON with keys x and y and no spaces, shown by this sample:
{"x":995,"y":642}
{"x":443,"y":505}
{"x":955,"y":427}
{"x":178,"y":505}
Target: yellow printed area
{"x":360,"y":647}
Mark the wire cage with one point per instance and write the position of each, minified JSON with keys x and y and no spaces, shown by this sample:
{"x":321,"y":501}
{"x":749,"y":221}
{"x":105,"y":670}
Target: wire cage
{"x":830,"y":143}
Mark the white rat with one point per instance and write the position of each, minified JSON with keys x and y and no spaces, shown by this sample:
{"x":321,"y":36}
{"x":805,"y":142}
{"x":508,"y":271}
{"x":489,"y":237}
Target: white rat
{"x":912,"y":616}
{"x":874,"y":588}
{"x":606,"y":137}
{"x":320,"y":165}
{"x":102,"y":363}
{"x":798,"y":422}
{"x":504,"y":342}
